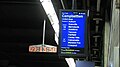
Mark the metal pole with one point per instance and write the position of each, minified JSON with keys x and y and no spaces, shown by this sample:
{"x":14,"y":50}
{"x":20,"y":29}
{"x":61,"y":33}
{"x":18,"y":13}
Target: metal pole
{"x":98,"y":5}
{"x":44,"y":33}
{"x":62,"y":4}
{"x":74,"y":4}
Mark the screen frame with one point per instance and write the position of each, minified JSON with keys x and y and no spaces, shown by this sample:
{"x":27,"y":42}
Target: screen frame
{"x":85,"y":53}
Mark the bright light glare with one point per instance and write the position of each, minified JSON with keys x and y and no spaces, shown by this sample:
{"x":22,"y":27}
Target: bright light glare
{"x":49,"y":9}
{"x":70,"y":62}
{"x":56,"y":39}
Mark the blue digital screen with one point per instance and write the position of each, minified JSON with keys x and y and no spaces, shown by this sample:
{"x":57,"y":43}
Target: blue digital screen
{"x":72,"y":32}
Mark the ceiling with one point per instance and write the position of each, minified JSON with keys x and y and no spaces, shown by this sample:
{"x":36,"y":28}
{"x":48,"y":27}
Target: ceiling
{"x":21,"y":25}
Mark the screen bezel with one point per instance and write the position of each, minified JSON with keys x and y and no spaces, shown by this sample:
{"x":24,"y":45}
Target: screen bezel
{"x":85,"y":53}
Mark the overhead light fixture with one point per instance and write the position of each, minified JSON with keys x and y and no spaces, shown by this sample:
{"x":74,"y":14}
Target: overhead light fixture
{"x":50,"y":11}
{"x":70,"y":62}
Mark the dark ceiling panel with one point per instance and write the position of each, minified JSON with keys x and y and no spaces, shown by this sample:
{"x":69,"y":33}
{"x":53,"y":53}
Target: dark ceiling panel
{"x":22,"y":22}
{"x":68,"y":4}
{"x":21,"y":15}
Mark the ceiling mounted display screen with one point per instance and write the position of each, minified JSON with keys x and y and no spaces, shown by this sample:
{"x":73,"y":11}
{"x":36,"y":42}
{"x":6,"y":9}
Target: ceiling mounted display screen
{"x":72,"y":36}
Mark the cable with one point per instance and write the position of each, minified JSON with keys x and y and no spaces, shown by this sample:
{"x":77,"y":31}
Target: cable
{"x":62,"y":4}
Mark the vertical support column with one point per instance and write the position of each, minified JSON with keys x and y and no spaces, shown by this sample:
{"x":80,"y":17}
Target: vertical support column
{"x":74,"y":4}
{"x":98,"y":5}
{"x":43,"y":44}
{"x":106,"y":42}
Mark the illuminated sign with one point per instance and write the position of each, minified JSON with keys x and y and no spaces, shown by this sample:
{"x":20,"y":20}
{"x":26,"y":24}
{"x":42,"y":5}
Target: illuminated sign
{"x":48,"y":49}
{"x":73,"y":25}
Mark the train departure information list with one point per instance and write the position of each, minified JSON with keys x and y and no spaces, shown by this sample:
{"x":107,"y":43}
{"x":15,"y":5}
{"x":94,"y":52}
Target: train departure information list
{"x":72,"y":36}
